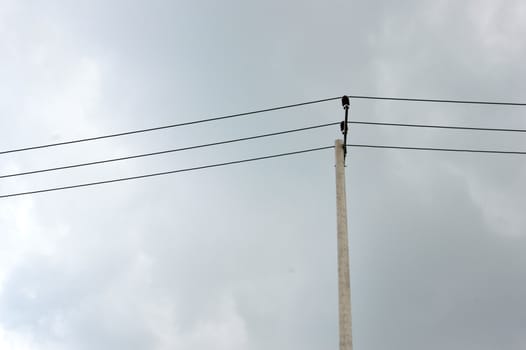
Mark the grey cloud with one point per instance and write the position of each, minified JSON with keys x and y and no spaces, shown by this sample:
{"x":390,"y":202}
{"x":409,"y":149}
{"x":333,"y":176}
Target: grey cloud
{"x":244,"y":257}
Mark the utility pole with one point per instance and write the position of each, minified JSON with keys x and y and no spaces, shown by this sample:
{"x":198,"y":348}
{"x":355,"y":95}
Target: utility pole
{"x":344,"y":285}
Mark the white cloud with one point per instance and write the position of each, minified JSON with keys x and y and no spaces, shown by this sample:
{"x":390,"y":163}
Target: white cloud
{"x":14,"y":341}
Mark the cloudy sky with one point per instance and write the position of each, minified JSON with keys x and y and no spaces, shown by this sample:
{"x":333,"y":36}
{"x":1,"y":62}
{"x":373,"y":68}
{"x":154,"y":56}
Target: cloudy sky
{"x":244,"y":257}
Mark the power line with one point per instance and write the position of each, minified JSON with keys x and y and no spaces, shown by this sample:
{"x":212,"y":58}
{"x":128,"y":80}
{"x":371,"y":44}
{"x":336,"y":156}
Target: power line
{"x":261,"y":158}
{"x":168,"y":151}
{"x":229,"y":116}
{"x":435,"y":126}
{"x":265,"y":110}
{"x":438,"y":149}
{"x":166,"y":172}
{"x":408,"y":99}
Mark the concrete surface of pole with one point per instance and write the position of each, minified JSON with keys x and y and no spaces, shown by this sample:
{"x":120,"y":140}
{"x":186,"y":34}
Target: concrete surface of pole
{"x":344,"y":285}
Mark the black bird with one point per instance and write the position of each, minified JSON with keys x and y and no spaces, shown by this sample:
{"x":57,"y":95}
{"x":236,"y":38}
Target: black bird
{"x":345,"y":102}
{"x":343,"y":127}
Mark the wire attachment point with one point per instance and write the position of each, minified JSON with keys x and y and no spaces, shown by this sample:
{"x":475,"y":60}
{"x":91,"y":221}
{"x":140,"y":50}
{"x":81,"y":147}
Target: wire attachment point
{"x":344,"y":126}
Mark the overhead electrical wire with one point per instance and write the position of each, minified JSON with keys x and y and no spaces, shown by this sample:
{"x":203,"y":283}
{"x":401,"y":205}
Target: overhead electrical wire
{"x":257,"y":159}
{"x":255,"y":137}
{"x":433,"y":100}
{"x":166,"y":172}
{"x":265,"y":110}
{"x":138,"y":131}
{"x":435,"y":126}
{"x":357,"y":122}
{"x":168,"y":151}
{"x":437,"y":149}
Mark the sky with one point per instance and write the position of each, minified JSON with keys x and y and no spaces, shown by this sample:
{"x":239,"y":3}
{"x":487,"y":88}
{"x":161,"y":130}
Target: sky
{"x":244,"y":256}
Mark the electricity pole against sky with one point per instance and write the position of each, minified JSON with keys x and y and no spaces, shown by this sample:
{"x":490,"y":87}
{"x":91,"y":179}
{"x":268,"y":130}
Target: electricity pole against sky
{"x":344,"y":285}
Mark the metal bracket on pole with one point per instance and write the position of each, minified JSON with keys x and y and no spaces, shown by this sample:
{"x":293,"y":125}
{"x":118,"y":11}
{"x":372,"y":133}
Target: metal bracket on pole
{"x":344,"y":126}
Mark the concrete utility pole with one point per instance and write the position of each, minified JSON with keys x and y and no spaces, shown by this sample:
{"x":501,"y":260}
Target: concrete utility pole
{"x":344,"y":284}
